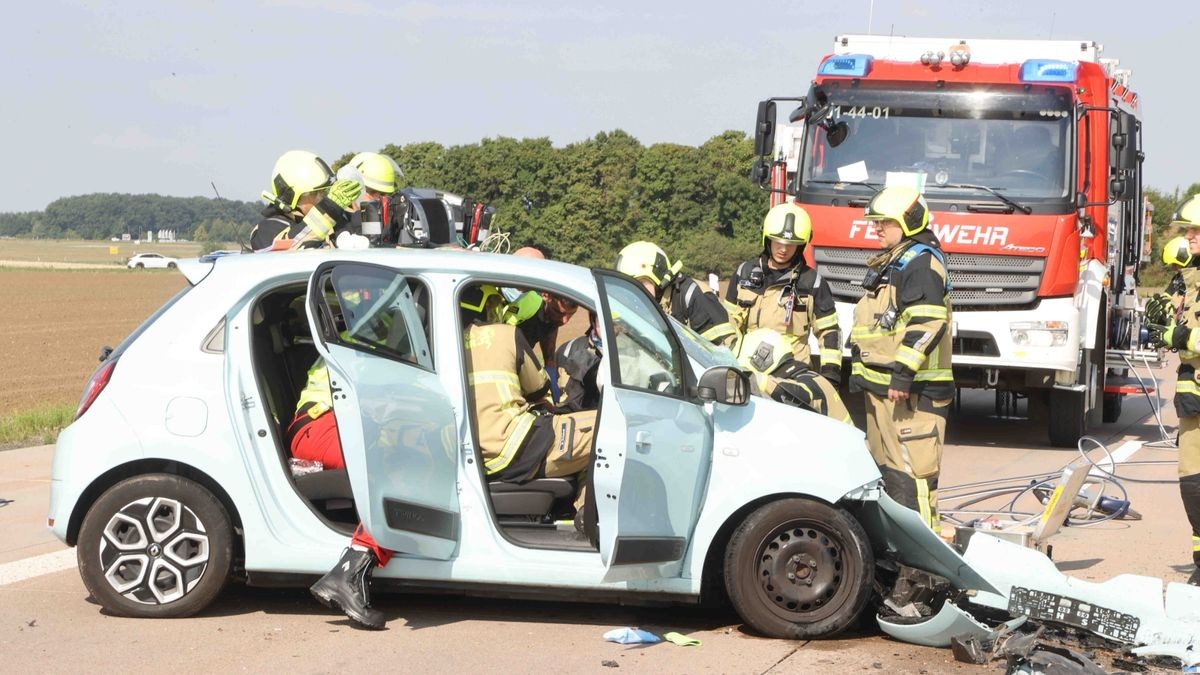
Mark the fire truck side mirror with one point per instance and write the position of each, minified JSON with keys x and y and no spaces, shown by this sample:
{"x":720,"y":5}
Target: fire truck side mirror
{"x":760,"y":171}
{"x":764,"y":129}
{"x":1120,"y":188}
{"x":1125,"y":149}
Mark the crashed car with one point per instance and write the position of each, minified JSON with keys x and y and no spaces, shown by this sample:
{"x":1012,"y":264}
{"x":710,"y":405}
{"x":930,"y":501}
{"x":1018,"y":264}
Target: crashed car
{"x":175,"y":476}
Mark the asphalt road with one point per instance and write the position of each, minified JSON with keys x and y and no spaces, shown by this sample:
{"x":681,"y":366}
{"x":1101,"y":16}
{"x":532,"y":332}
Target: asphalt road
{"x":48,"y":623}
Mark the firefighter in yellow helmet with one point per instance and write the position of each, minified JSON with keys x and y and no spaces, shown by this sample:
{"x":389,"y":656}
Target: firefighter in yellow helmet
{"x":679,"y":295}
{"x":520,"y":436}
{"x":900,"y":346}
{"x":304,"y":204}
{"x":768,"y":355}
{"x":778,"y":290}
{"x":379,"y":175}
{"x":1178,"y":314}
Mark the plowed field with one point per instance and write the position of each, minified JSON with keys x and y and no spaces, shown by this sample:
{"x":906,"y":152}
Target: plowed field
{"x":53,"y":323}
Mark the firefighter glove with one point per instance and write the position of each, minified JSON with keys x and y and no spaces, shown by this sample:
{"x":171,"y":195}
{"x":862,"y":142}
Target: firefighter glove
{"x":1159,"y":309}
{"x":344,"y":192}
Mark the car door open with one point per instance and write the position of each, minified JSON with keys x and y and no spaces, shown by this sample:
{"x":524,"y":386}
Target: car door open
{"x":395,"y":421}
{"x":654,"y":446}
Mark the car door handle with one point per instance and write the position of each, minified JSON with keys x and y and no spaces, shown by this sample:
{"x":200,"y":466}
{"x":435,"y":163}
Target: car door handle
{"x":641,"y":442}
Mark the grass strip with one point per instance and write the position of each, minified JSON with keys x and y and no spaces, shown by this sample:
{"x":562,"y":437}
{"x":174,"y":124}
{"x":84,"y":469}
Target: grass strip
{"x":36,"y":425}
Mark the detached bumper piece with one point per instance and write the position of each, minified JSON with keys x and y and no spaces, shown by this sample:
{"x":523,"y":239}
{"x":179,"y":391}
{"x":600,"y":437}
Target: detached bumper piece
{"x":1000,"y":600}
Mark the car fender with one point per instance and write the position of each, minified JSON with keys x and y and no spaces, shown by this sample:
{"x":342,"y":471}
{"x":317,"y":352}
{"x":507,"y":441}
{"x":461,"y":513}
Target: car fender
{"x":935,"y":631}
{"x":76,"y":466}
{"x":767,"y":449}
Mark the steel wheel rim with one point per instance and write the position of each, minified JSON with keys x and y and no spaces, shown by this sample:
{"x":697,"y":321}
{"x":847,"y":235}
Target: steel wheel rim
{"x":154,"y":551}
{"x":801,"y":571}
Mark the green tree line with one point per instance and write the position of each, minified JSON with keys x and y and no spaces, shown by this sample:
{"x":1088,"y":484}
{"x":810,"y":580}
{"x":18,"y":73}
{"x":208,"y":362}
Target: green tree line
{"x":101,"y":216}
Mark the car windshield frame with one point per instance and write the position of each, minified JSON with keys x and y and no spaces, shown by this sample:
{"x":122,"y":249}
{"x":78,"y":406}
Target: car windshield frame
{"x":970,"y":135}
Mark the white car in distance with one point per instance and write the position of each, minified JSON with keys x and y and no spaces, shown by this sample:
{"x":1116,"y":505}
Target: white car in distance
{"x":152,"y":260}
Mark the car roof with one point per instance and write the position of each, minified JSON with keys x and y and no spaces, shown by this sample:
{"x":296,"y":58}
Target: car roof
{"x":253,"y":268}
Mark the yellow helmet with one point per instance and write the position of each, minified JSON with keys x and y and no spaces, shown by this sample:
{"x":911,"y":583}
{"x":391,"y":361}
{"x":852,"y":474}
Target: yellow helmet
{"x":787,"y":223}
{"x":645,"y":260}
{"x":483,"y":301}
{"x":297,"y":172}
{"x":1188,"y":214}
{"x":762,"y":350}
{"x":903,"y":205}
{"x":378,"y":171}
{"x":1177,"y":253}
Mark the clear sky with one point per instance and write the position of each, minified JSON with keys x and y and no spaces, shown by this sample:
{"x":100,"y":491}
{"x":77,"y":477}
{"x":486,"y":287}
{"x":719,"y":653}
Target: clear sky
{"x":165,"y":97}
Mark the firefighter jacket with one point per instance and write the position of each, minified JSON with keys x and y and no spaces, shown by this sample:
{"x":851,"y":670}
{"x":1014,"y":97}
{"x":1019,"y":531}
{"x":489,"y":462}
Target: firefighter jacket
{"x":505,"y":378}
{"x":277,"y":225}
{"x":901,"y":337}
{"x":703,"y":312}
{"x":1187,"y":385}
{"x":795,"y":301}
{"x":274,"y":226}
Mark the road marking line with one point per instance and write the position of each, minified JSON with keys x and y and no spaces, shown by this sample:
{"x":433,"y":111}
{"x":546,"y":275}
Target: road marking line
{"x":1125,"y":451}
{"x":20,"y":570}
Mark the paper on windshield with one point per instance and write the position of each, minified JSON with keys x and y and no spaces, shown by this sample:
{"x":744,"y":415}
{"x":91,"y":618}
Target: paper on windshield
{"x":855,"y":173}
{"x":908,"y":179}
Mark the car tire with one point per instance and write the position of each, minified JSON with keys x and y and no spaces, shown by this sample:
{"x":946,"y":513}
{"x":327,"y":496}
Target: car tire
{"x":140,"y":266}
{"x":799,"y":569}
{"x":167,"y":525}
{"x":171,"y":265}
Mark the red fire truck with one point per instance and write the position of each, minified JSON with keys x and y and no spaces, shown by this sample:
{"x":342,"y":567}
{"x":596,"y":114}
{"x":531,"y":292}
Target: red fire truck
{"x":1029,"y":155}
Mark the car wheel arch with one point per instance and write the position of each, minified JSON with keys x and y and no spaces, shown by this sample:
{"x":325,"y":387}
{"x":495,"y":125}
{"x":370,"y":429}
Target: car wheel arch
{"x":143,"y":467}
{"x":712,"y":582}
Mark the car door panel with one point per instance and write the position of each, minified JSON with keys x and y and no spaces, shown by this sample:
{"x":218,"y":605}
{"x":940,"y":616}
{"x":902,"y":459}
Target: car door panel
{"x":395,"y":422}
{"x":655,"y":446}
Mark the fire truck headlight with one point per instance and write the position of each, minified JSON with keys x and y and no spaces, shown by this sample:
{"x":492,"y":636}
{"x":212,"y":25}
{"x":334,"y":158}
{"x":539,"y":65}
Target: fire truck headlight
{"x":1039,"y":333}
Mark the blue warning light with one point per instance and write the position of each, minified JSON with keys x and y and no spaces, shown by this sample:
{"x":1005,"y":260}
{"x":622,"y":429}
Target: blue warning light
{"x":1048,"y":70}
{"x":846,"y":65}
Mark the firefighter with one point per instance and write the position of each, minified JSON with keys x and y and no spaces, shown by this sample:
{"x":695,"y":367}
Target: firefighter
{"x":778,"y":290}
{"x":769,"y":356}
{"x":1182,"y":332}
{"x":900,"y":346}
{"x":304,"y":204}
{"x":380,"y":177}
{"x":519,"y":436}
{"x":678,"y":295}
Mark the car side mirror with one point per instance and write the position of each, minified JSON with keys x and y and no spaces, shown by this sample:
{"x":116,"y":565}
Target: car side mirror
{"x":724,"y":384}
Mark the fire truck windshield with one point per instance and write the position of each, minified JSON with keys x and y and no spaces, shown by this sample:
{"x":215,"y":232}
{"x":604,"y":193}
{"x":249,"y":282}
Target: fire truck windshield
{"x":1012,"y":139}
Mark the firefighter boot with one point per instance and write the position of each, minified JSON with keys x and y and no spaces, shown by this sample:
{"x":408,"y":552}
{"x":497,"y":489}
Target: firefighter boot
{"x":345,"y":588}
{"x":1194,"y":580}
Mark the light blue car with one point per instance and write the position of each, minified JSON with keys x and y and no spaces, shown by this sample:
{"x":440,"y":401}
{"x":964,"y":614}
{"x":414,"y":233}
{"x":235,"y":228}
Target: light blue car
{"x":175,"y":477}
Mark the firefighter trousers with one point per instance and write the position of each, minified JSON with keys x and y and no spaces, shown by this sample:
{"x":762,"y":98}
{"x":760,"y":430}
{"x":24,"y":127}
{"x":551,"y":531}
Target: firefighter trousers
{"x":1189,"y":477}
{"x":906,"y":438}
{"x":570,"y":452}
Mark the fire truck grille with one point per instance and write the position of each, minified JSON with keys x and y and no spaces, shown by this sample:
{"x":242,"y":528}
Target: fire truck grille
{"x":977,"y":280}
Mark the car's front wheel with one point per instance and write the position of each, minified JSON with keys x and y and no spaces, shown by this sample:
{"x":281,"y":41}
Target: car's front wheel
{"x":171,"y":265}
{"x":140,"y":265}
{"x":799,"y":569}
{"x":155,"y":546}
